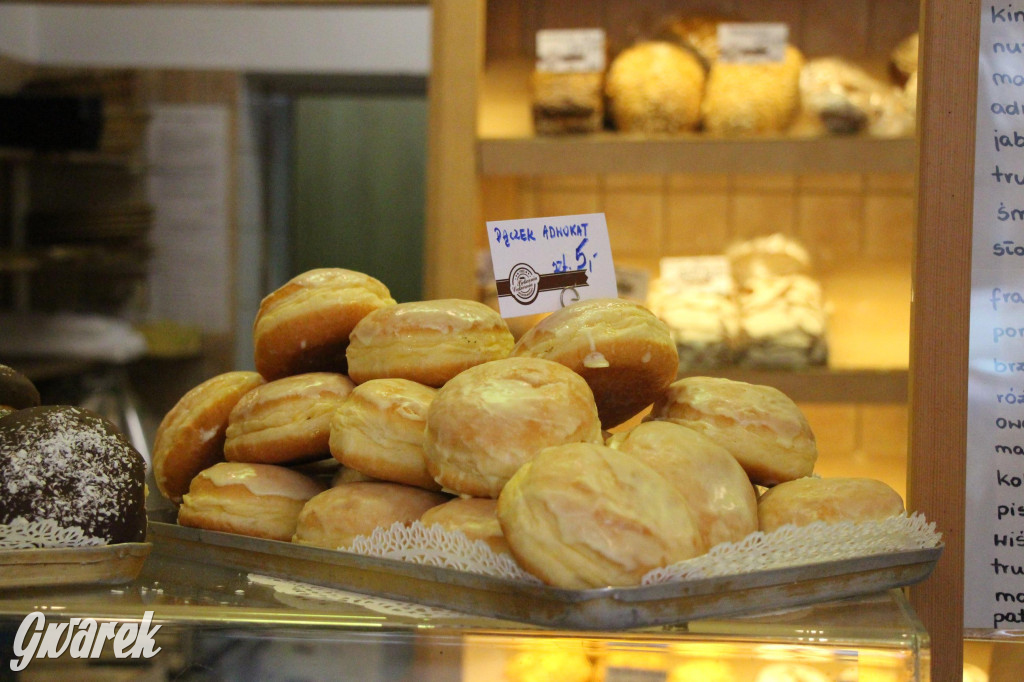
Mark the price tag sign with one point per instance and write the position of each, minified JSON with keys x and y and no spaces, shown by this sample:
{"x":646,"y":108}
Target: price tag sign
{"x":570,"y":50}
{"x":752,"y":43}
{"x":543,"y":264}
{"x":709,"y":273}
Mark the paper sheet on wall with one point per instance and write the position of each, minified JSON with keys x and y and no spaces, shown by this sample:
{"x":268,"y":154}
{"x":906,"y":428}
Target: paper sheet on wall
{"x":994,"y":520}
{"x":190,"y":270}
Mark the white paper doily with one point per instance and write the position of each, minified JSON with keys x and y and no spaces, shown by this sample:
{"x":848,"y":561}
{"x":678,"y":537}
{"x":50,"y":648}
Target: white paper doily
{"x":790,"y":545}
{"x":786,"y":547}
{"x":317,"y":595}
{"x":46,"y":533}
{"x":434,"y":546}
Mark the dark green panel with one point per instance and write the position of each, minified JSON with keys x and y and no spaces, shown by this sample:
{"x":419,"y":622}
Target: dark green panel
{"x":359,"y":187}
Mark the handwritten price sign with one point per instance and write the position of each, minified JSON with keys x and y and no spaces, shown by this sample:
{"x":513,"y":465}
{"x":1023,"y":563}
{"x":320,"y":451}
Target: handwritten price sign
{"x":543,"y":264}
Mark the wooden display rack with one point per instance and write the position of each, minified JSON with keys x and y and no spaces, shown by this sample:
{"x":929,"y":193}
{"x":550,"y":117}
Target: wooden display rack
{"x":940,"y":269}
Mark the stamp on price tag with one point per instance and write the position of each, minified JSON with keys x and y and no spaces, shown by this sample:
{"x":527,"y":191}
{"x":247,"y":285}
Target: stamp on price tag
{"x":543,"y":264}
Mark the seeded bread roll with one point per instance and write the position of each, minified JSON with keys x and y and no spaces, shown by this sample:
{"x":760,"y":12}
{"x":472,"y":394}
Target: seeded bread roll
{"x":335,"y":517}
{"x":655,"y":87}
{"x":286,"y":421}
{"x":743,"y":98}
{"x":304,"y":325}
{"x":490,"y":419}
{"x":723,"y":501}
{"x":428,"y":342}
{"x":759,"y":425}
{"x":582,"y":516}
{"x":379,"y":431}
{"x":624,"y":352}
{"x":258,"y":500}
{"x":191,"y":435}
{"x":806,"y":500}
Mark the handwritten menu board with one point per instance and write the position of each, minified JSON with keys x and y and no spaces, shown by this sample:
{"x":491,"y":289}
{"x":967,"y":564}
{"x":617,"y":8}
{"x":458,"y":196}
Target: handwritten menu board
{"x":994,"y":523}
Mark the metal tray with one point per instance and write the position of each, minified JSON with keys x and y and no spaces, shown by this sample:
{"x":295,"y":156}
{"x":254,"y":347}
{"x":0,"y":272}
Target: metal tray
{"x":610,"y":608}
{"x":104,"y":565}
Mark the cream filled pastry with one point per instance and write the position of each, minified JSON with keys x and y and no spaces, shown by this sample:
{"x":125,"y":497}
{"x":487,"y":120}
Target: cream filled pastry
{"x":286,"y":421}
{"x":624,"y":352}
{"x":722,"y":498}
{"x":492,"y":418}
{"x":258,"y":500}
{"x":759,"y":425}
{"x":379,"y":431}
{"x":428,"y":342}
{"x":704,"y":322}
{"x":583,"y":515}
{"x":783,"y":322}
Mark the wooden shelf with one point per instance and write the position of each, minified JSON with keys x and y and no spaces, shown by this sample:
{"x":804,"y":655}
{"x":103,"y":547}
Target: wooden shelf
{"x":506,"y":144}
{"x":618,"y":153}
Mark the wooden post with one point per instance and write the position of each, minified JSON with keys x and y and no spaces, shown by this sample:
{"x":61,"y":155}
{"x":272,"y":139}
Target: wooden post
{"x":940,"y":314}
{"x":453,"y":203}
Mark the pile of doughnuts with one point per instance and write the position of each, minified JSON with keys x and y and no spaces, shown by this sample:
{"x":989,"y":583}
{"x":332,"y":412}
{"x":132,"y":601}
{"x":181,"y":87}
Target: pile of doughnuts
{"x":575,"y":450}
{"x":68,"y":477}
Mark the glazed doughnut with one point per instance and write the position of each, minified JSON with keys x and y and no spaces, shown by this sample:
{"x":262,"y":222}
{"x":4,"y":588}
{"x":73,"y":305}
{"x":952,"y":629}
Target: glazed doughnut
{"x":582,"y":516}
{"x":378,"y":431}
{"x":622,"y":350}
{"x":490,"y":419}
{"x":428,"y":342}
{"x":191,"y":435}
{"x":335,"y":517}
{"x":258,"y":500}
{"x":476,"y":517}
{"x":763,"y":429}
{"x":806,"y":500}
{"x":304,"y":325}
{"x":286,"y":421}
{"x":723,"y":501}
{"x":69,"y":467}
{"x":16,"y":390}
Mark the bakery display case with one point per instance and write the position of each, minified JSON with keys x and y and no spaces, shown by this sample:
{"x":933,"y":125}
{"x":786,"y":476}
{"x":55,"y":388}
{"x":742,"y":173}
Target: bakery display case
{"x":212,"y":622}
